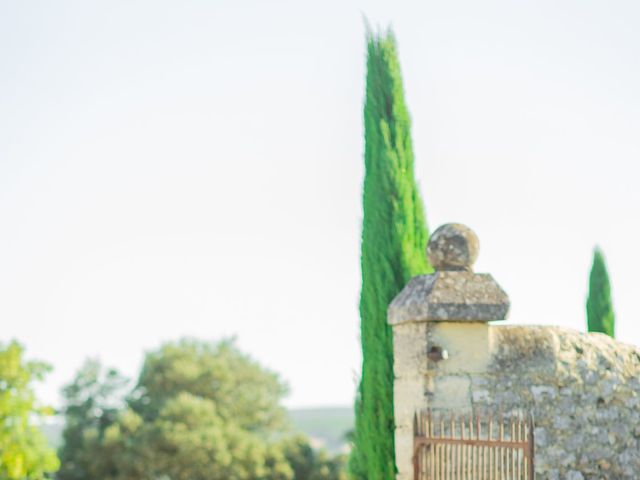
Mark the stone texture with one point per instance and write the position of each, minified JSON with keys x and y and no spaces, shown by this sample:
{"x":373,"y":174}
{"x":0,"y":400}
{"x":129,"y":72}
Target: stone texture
{"x":467,"y":344}
{"x":411,"y":384}
{"x":412,"y":391}
{"x":453,"y":246}
{"x":582,"y":389}
{"x":454,"y":292}
{"x":452,"y":392}
{"x":584,"y":392}
{"x":404,"y":451}
{"x":409,"y":345}
{"x":450,"y":296}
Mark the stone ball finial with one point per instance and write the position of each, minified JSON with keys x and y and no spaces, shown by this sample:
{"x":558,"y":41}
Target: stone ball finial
{"x":453,"y":246}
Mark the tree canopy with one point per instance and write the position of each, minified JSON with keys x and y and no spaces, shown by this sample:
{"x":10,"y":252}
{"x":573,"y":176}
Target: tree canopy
{"x":242,"y":391}
{"x":93,"y":402}
{"x":24,"y":452}
{"x":199,"y":411}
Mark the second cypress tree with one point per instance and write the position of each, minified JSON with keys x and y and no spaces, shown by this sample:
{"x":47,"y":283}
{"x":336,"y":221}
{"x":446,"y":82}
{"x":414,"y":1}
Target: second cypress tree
{"x":600,"y":316}
{"x":394,"y":238}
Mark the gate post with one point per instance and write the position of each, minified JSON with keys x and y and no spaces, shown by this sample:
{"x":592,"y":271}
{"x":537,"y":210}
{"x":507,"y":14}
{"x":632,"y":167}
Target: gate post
{"x":441,"y":335}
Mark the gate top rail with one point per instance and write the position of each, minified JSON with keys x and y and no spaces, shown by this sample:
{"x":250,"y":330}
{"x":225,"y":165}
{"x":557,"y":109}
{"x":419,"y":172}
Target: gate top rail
{"x":488,"y":429}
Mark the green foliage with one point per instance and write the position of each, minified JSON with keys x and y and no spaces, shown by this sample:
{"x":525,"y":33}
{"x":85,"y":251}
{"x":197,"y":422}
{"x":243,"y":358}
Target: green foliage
{"x":189,"y":440}
{"x":309,"y":464}
{"x":93,"y":402}
{"x":24,"y":452}
{"x":394,"y":238}
{"x":600,"y":316}
{"x":242,"y":391}
{"x":200,"y":411}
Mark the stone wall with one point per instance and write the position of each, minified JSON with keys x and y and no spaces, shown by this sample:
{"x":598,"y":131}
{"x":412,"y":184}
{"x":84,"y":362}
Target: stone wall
{"x":584,"y":391}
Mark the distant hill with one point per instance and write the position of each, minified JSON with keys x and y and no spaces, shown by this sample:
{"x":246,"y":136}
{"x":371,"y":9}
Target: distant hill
{"x":326,"y":427}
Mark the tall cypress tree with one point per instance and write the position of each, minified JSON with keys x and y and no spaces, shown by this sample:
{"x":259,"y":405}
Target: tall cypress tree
{"x":600,"y":317}
{"x":394,"y":238}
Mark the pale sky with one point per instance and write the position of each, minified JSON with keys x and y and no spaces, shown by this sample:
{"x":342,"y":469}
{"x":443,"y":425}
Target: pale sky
{"x":194,"y":168}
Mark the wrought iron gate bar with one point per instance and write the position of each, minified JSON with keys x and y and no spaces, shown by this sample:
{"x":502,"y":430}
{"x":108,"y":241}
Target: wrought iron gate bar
{"x":466,"y":447}
{"x":459,"y":441}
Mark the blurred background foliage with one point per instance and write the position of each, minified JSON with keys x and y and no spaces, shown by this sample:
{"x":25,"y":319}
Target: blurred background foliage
{"x":24,"y":451}
{"x":199,"y":410}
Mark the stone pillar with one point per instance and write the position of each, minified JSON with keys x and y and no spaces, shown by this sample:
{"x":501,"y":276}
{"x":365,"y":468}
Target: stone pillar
{"x":441,"y":335}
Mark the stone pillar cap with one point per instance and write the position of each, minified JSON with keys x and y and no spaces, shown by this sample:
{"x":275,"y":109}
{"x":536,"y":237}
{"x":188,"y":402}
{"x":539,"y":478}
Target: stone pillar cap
{"x":454,"y":292}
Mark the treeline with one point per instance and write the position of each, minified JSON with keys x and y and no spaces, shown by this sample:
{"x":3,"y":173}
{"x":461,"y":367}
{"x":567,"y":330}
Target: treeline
{"x":198,"y":411}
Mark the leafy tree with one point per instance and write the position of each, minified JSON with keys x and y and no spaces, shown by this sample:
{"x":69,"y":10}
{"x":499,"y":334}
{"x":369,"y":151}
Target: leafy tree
{"x":311,"y":464}
{"x":188,"y":440}
{"x":394,"y":238}
{"x":600,"y":316}
{"x":242,"y":391}
{"x":24,"y":452}
{"x":92,"y":403}
{"x":200,"y":411}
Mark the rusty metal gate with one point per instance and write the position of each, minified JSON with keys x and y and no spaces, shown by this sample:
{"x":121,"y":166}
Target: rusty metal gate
{"x":473,"y":447}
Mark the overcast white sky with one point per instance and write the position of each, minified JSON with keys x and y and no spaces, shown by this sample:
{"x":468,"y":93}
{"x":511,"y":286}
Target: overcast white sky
{"x":194,"y":168}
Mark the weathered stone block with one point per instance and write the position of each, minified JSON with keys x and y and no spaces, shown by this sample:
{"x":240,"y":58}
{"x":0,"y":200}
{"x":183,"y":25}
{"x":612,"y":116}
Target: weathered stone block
{"x":467,"y":345}
{"x":409,"y":347}
{"x":452,"y":392}
{"x":404,"y":453}
{"x":446,"y":296}
{"x":409,"y":397}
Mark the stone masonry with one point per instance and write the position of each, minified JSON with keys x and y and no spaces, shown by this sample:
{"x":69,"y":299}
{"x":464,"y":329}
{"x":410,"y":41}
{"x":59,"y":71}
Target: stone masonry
{"x":583,"y":389}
